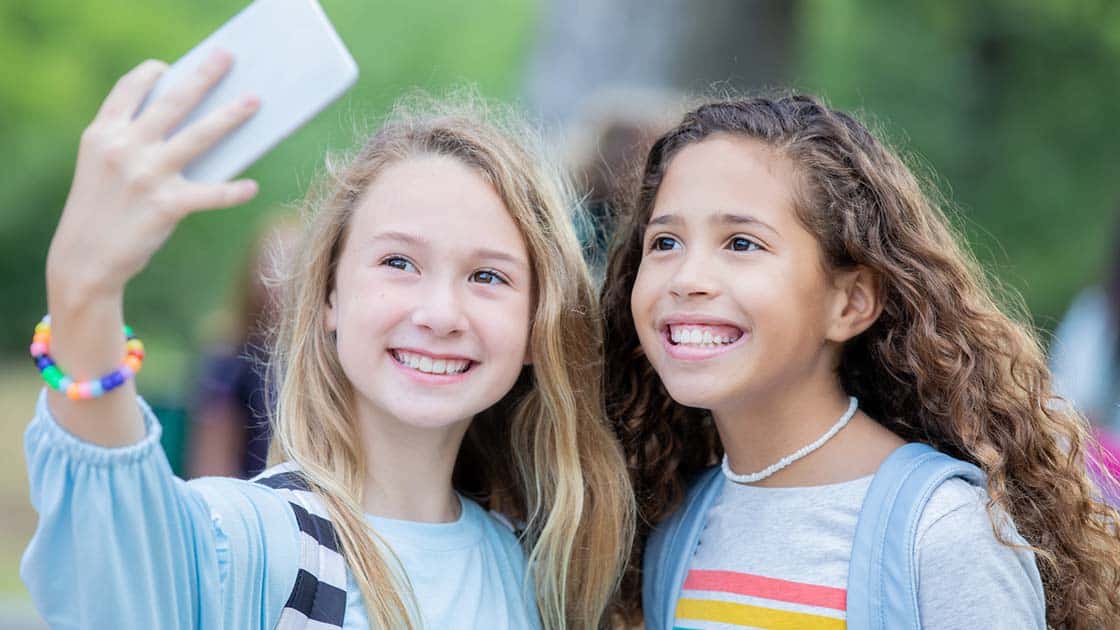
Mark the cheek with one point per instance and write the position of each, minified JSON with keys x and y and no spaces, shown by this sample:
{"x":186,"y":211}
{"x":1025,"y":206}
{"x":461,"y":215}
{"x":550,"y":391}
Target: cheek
{"x":368,"y":307}
{"x":505,"y":327}
{"x":644,"y":294}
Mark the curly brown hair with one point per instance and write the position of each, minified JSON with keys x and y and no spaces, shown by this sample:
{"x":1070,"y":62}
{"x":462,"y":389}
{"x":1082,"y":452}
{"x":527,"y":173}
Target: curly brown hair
{"x":947,"y":363}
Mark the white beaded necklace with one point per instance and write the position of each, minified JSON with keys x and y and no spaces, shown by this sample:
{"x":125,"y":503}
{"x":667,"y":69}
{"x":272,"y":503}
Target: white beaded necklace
{"x":853,"y":405}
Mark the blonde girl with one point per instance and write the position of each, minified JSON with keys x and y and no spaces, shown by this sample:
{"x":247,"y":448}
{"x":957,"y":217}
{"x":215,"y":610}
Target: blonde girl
{"x":786,"y":308}
{"x":435,"y":359}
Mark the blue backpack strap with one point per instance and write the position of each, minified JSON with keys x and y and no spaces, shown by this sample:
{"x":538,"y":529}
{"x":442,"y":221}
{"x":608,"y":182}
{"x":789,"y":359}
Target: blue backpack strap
{"x":883,"y":573}
{"x":670,"y":549}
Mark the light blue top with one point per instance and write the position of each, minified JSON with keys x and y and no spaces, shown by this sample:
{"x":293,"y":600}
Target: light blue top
{"x":122,"y":543}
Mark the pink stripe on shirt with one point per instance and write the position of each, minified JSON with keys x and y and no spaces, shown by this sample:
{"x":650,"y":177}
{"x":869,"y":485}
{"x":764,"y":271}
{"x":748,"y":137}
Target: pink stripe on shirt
{"x":768,"y":588}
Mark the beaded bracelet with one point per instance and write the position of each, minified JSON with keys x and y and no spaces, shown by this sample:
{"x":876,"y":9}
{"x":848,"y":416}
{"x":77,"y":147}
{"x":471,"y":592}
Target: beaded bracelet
{"x":84,"y":390}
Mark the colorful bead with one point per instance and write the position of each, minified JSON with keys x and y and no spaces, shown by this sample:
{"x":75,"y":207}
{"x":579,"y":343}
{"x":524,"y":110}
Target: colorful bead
{"x":112,"y":380}
{"x":84,"y":390}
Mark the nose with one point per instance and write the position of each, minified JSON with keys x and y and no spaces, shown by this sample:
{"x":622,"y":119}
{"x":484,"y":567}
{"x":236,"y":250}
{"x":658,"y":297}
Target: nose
{"x":693,"y":277}
{"x":441,"y":312}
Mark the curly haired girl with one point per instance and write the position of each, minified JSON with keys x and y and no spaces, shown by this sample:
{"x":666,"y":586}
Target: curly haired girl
{"x":786,"y":305}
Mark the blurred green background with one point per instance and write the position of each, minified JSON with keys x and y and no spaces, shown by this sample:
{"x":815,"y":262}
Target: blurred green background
{"x":1012,"y":104}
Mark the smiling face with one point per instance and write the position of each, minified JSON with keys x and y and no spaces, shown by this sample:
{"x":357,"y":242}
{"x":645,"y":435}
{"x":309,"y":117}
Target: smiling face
{"x":731,"y":301}
{"x":432,"y":295}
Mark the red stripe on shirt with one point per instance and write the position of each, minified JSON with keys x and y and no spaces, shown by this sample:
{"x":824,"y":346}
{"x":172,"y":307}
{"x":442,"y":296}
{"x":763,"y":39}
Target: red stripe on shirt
{"x":768,"y":588}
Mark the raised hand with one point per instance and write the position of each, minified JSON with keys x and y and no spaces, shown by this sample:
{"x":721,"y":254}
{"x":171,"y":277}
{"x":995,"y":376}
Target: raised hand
{"x":127,"y":196}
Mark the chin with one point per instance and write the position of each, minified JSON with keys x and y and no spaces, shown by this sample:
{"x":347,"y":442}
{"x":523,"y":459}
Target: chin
{"x":434,"y":419}
{"x":696,"y":395}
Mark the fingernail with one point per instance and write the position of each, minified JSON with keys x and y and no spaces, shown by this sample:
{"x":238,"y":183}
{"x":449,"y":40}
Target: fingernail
{"x":250,"y":101}
{"x":217,"y":58}
{"x":249,"y":187}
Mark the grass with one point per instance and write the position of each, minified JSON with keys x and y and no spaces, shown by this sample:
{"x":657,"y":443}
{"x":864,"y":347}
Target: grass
{"x":18,"y":390}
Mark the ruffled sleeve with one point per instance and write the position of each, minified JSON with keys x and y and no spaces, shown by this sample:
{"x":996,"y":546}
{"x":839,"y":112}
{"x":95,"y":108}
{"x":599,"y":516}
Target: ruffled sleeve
{"x":123,"y":543}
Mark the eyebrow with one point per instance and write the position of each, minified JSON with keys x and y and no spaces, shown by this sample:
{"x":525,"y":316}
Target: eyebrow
{"x":403,"y":237}
{"x":721,"y":217}
{"x":420,"y":241}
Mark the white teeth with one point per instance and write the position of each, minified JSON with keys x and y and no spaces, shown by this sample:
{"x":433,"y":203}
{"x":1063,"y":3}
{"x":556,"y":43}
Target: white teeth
{"x":429,"y":365}
{"x":698,"y":336}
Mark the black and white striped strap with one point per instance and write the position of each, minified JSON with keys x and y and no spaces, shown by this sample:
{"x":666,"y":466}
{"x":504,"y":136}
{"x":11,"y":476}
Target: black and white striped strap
{"x":318,"y":599}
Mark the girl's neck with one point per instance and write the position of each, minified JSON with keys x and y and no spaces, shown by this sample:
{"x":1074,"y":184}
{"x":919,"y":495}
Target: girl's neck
{"x":759,"y":431}
{"x":409,"y":469}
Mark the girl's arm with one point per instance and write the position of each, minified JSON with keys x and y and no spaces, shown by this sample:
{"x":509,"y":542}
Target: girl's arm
{"x":122,"y":543}
{"x":126,"y":198}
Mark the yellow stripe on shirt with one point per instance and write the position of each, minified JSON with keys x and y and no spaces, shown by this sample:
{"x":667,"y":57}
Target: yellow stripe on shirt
{"x":756,"y":616}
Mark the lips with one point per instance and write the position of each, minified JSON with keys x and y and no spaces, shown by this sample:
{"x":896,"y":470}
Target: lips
{"x":699,"y":337}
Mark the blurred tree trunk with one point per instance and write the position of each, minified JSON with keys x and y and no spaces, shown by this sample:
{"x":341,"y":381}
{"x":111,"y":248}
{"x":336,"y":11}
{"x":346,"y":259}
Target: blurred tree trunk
{"x":584,"y":46}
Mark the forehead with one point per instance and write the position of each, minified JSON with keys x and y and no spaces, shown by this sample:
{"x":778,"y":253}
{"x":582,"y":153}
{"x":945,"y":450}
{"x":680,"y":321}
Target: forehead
{"x":725,"y":173}
{"x":447,"y":202}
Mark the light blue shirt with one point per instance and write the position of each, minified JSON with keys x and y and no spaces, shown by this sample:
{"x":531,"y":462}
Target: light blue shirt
{"x":122,"y":543}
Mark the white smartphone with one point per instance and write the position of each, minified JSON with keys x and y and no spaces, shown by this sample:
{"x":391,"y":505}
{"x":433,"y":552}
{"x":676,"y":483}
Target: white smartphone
{"x":284,"y":51}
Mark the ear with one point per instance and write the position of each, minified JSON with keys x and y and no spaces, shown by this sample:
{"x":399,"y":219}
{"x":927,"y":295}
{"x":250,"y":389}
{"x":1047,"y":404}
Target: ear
{"x":331,"y":320}
{"x":856,"y":304}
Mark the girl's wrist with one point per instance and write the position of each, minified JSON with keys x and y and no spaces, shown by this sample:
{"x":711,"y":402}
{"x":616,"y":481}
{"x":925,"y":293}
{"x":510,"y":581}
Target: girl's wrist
{"x":70,"y":299}
{"x":75,"y":288}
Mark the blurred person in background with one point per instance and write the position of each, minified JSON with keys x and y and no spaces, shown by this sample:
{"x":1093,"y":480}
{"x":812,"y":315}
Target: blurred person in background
{"x":606,"y":145}
{"x":229,"y":429}
{"x":1085,"y":358}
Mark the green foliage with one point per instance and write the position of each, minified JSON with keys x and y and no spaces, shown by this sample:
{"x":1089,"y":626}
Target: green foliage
{"x":60,"y":59}
{"x":1012,"y":103}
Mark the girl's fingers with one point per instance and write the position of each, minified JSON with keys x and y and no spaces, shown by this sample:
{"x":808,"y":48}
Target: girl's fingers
{"x":197,"y":196}
{"x":129,"y":92}
{"x":194,"y":140}
{"x":166,"y":111}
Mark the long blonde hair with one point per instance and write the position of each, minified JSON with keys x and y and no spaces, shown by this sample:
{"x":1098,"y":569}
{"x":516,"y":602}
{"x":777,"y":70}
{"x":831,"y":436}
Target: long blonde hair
{"x":544,"y":455}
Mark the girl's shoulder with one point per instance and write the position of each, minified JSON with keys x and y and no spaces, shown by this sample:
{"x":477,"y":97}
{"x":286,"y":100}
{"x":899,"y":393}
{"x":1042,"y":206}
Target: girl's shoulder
{"x":256,"y":532}
{"x":964,"y":566}
{"x":958,"y":510}
{"x":246,"y":501}
{"x":955,"y":497}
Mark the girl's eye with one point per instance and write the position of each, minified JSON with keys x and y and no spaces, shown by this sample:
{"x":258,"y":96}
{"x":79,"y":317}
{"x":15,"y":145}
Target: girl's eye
{"x":664,"y":244}
{"x":742,"y":244}
{"x":485,"y":276}
{"x":399,"y":262}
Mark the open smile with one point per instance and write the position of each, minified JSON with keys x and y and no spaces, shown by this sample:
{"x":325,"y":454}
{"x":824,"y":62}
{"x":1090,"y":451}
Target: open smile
{"x":699,"y":340}
{"x":432,"y":368}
